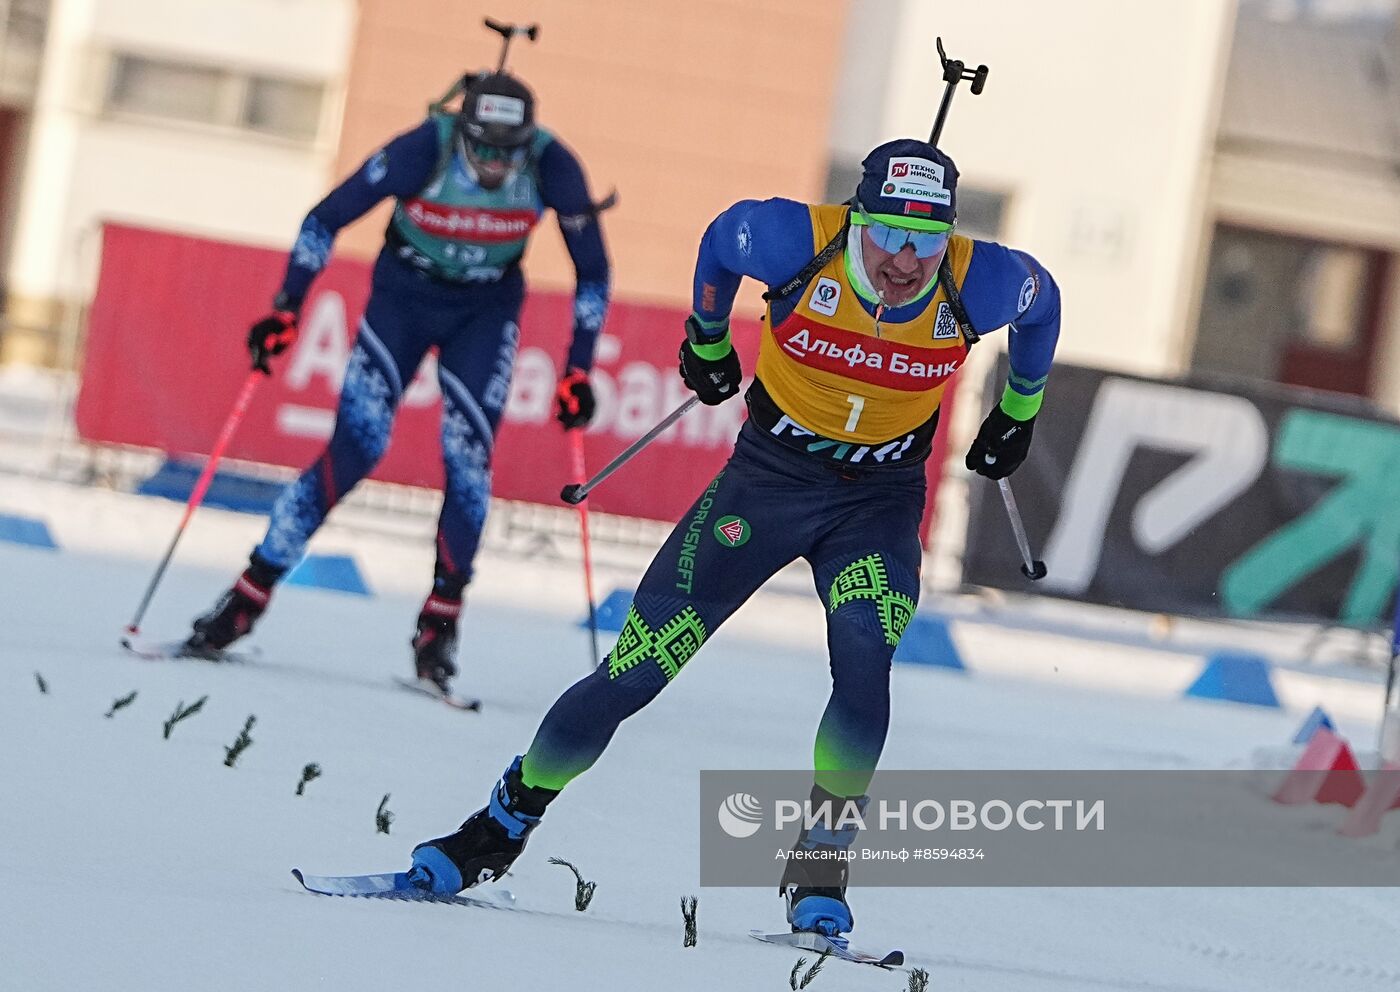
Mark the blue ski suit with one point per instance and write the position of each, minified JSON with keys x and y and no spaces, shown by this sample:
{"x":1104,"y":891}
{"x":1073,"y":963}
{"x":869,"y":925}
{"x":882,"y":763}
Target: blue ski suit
{"x":448,"y":277}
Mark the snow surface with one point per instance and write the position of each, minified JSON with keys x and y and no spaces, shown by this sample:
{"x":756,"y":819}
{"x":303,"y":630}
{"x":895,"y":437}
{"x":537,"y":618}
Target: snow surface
{"x":131,"y":862}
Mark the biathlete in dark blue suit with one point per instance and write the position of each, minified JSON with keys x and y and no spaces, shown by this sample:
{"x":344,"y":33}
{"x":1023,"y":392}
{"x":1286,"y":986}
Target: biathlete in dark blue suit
{"x":871,"y":304}
{"x":469,"y":188}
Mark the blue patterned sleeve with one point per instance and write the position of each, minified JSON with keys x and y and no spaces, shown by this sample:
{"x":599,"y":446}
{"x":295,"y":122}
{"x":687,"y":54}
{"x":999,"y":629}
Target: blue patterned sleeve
{"x":400,"y":168}
{"x":767,"y":240}
{"x":1004,"y":286}
{"x":564,"y":190}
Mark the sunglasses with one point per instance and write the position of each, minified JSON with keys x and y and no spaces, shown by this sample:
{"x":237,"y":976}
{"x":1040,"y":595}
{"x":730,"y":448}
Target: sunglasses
{"x":893,"y":239}
{"x":493,"y":153}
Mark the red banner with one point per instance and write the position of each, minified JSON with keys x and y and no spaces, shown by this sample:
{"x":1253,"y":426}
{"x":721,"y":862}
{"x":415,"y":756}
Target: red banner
{"x":165,"y":357}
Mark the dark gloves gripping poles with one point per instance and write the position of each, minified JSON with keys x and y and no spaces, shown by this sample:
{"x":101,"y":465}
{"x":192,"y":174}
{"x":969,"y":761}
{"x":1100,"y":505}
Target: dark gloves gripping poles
{"x":1001,"y":445}
{"x":574,"y":399}
{"x":709,"y":365}
{"x":275,"y":333}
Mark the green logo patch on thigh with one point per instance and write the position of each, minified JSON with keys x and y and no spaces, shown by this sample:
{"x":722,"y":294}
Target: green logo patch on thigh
{"x":867,"y":580}
{"x":732,"y":531}
{"x":670,"y":646}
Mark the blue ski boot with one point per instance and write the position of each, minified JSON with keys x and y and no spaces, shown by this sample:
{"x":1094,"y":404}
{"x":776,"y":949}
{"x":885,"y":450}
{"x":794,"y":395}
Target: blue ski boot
{"x":814,"y":885}
{"x":487,"y":844}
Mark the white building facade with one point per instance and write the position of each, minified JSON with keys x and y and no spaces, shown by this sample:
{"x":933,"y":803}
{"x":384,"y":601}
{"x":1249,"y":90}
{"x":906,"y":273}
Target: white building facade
{"x":216,"y":117}
{"x":1128,"y":145}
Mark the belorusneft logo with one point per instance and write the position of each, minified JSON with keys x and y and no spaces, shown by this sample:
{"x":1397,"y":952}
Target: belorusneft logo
{"x":741,"y":815}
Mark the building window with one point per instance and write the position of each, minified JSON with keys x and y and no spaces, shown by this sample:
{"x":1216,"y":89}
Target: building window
{"x":1291,"y":310}
{"x":283,"y":107}
{"x":980,"y":212}
{"x":167,"y":89}
{"x":1331,"y":293}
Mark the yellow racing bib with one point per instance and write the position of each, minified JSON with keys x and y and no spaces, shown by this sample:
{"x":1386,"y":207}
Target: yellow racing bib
{"x":828,"y":371}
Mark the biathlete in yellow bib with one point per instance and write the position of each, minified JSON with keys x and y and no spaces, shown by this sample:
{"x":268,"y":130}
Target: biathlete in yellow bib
{"x":870,"y":307}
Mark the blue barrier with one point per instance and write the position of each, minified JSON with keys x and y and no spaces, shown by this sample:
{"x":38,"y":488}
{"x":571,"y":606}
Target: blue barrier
{"x":27,"y":531}
{"x":926,"y":641}
{"x":175,"y":480}
{"x":336,"y":572}
{"x":1236,"y":677}
{"x":612,"y":612}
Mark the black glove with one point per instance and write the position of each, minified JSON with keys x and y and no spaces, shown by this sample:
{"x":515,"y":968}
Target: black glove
{"x":1001,"y":445}
{"x":273,"y":334}
{"x":713,"y":373}
{"x":575,"y":400}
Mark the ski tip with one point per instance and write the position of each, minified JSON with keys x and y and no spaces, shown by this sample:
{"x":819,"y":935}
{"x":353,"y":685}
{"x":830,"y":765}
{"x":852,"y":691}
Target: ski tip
{"x":839,"y":946}
{"x":428,"y":688}
{"x":296,"y":873}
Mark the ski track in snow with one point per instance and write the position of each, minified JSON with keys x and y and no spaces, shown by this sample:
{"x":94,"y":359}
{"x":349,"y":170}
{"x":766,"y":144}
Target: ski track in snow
{"x":131,"y":862}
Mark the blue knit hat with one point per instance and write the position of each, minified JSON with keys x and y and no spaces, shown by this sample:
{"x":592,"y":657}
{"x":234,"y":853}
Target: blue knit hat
{"x":909,"y":183}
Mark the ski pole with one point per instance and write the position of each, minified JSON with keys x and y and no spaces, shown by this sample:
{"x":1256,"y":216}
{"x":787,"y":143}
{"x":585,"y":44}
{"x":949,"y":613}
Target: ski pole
{"x":1031,"y":568}
{"x":580,"y":473}
{"x":201,"y":486}
{"x":1389,"y":747}
{"x":956,"y":71}
{"x":574,"y":494}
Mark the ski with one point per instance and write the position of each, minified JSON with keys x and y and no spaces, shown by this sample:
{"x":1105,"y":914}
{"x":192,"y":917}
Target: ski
{"x":395,"y":885}
{"x":837,"y":947}
{"x":175,"y":650}
{"x":425,"y":687}
{"x":149,"y":650}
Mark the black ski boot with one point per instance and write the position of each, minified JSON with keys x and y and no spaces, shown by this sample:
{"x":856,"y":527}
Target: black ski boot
{"x":487,"y":844}
{"x":814,"y":884}
{"x":233,"y":615}
{"x":435,"y":641}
